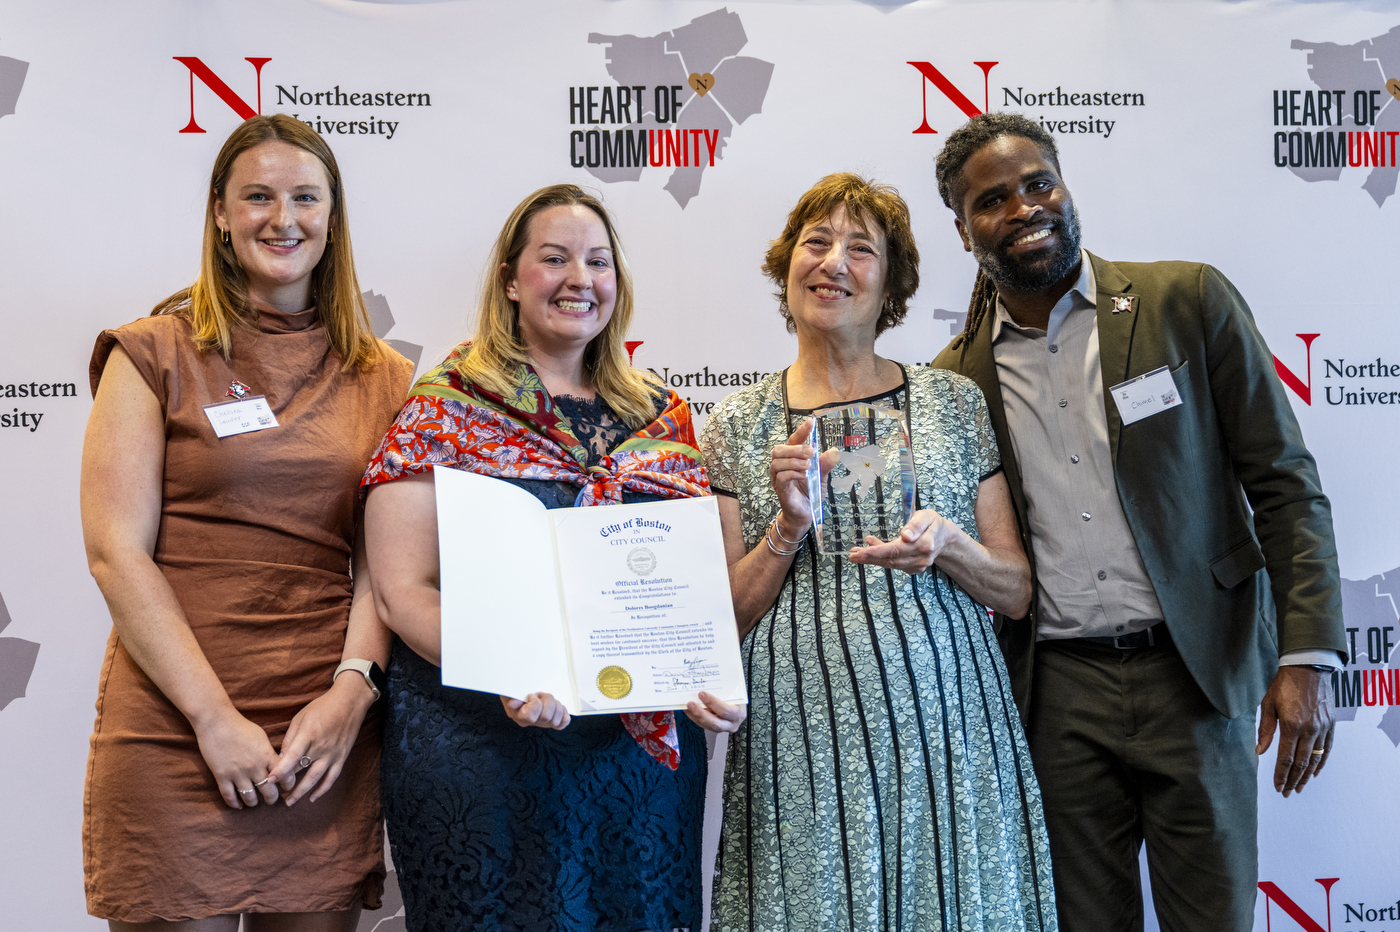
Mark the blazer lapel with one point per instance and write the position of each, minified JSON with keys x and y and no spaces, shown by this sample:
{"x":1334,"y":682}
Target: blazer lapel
{"x":1117,"y":319}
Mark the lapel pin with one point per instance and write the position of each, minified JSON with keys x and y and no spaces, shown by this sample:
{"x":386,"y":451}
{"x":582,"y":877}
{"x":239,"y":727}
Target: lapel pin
{"x":237,"y":389}
{"x":1123,"y":304}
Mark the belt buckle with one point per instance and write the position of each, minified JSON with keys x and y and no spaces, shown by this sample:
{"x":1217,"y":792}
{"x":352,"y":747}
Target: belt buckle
{"x":1151,"y":640}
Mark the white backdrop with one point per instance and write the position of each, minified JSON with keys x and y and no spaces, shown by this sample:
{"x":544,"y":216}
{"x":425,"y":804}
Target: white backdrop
{"x":101,"y":200}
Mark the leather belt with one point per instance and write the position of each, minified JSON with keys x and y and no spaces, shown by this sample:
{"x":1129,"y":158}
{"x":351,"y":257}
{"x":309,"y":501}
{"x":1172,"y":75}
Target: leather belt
{"x":1152,"y":637}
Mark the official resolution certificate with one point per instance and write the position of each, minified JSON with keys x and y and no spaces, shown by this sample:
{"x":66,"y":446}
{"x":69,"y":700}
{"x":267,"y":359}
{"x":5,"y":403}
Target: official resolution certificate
{"x":620,"y":608}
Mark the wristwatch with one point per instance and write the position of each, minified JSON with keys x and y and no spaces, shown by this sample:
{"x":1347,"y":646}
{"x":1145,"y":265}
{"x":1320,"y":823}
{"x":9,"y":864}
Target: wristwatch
{"x":374,"y":676}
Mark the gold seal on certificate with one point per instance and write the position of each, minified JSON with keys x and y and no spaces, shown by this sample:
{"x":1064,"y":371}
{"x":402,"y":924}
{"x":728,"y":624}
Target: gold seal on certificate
{"x":614,"y":682}
{"x":641,"y":561}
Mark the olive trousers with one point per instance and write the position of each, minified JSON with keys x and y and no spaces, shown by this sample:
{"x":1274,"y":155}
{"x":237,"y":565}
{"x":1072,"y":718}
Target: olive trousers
{"x":1128,"y":749}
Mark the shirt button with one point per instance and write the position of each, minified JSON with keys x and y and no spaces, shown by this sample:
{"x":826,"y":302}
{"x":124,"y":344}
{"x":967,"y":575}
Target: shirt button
{"x":1103,"y":575}
{"x":1119,"y":628}
{"x":1054,"y":348}
{"x":1074,"y":459}
{"x":1063,"y":402}
{"x":1086,"y":516}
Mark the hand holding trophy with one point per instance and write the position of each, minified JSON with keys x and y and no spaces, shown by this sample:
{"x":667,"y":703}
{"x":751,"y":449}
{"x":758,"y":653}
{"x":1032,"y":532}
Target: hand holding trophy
{"x":869,"y":490}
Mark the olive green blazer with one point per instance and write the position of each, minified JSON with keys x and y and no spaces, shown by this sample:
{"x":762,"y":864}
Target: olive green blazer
{"x":1237,"y":586}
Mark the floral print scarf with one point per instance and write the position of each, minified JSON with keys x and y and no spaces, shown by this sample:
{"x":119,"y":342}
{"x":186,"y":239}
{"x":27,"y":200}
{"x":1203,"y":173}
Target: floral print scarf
{"x":523,"y":436}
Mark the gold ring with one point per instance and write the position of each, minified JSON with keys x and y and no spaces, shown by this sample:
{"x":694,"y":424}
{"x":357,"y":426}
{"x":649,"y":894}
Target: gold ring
{"x":1318,"y":753}
{"x":263,"y":781}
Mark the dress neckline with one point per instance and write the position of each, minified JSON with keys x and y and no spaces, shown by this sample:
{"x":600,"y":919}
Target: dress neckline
{"x":270,"y":321}
{"x":887,"y":393}
{"x":907,"y":411}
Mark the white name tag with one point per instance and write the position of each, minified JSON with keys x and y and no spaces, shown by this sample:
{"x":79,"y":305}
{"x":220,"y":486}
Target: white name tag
{"x":1145,"y":395}
{"x":242,"y":416}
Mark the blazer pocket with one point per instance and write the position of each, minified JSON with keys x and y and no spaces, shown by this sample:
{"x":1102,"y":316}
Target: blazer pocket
{"x":1179,"y":379}
{"x":1238,"y":563}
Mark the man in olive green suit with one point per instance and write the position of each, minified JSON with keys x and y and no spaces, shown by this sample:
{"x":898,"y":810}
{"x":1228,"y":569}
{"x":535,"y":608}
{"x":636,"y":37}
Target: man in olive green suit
{"x":1140,"y":421}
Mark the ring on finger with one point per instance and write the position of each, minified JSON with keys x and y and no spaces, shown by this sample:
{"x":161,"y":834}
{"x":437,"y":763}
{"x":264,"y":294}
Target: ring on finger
{"x":263,"y":781}
{"x":304,"y":763}
{"x":248,"y":791}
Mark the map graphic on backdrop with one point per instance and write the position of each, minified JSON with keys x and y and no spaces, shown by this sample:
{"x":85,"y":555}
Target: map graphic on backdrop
{"x":17,"y":658}
{"x":12,"y":72}
{"x":382,"y":320}
{"x":727,"y":88}
{"x":1358,"y":68}
{"x":1370,"y":611}
{"x":391,"y":916}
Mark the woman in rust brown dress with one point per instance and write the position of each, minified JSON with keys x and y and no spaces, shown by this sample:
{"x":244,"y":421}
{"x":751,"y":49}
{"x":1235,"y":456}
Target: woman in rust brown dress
{"x":233,"y":772}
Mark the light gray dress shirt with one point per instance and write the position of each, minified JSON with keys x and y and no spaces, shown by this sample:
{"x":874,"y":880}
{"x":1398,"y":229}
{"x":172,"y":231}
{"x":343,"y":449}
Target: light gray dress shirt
{"x":1091,"y":578}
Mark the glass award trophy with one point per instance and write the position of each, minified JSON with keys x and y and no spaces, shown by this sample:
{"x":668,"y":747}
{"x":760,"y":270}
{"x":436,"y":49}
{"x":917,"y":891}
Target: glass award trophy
{"x":870,"y":490}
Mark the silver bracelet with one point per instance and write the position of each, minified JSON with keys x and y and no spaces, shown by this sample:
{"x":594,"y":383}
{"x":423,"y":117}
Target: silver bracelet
{"x":768,"y":539}
{"x":799,"y":540}
{"x":782,"y":553}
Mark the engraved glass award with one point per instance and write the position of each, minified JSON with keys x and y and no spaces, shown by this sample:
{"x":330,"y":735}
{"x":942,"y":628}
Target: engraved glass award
{"x":870,"y":490}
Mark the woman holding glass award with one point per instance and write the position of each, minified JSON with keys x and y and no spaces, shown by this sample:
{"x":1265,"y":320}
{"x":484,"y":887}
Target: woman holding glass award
{"x":504,"y":813}
{"x":882,"y":779}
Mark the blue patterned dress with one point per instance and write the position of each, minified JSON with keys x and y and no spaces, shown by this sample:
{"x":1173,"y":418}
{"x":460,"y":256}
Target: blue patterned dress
{"x":499,"y":828}
{"x":882,"y":779}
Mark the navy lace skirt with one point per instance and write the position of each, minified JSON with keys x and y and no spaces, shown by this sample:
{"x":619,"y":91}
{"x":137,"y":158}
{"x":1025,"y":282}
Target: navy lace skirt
{"x":494,"y":826}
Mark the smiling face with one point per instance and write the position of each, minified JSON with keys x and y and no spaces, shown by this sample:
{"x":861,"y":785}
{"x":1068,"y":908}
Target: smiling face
{"x":565,"y":281}
{"x":276,"y":208}
{"x":836,"y":279}
{"x":1017,"y":216}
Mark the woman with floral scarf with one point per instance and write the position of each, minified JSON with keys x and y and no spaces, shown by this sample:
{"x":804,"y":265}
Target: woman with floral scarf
{"x":504,"y":813}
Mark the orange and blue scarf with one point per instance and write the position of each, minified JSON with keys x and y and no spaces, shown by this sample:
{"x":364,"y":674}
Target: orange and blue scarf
{"x":523,"y":436}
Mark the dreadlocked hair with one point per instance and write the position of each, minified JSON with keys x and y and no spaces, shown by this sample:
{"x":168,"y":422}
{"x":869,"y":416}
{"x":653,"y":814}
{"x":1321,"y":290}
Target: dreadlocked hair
{"x":984,"y":298}
{"x":963,"y":143}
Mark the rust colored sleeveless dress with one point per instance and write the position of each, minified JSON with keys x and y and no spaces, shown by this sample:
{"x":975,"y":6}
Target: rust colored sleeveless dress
{"x":255,"y":539}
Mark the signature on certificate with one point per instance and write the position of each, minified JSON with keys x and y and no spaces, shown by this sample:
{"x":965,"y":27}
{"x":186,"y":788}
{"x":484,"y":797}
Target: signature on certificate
{"x":687,"y":676}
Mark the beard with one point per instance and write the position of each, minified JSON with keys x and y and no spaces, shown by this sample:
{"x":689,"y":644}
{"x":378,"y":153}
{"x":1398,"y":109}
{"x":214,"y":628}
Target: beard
{"x":1033,"y":273}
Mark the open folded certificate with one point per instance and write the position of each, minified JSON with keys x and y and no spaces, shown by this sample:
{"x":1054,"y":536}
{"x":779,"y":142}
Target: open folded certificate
{"x":618,"y":608}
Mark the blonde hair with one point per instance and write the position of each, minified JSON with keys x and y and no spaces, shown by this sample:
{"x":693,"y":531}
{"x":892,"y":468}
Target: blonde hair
{"x":218,"y":300}
{"x":497,"y":350}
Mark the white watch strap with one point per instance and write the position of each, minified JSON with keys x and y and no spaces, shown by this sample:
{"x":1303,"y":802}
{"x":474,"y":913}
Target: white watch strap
{"x":361,"y":667}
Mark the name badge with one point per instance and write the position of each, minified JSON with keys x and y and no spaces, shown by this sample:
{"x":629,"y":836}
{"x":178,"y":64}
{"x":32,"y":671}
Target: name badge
{"x":1145,"y":395}
{"x":241,"y":416}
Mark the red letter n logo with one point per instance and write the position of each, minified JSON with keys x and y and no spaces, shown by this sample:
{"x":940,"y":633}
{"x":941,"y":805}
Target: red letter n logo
{"x":1302,"y":389}
{"x":1272,"y":894}
{"x":932,"y":74}
{"x":212,"y":81}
